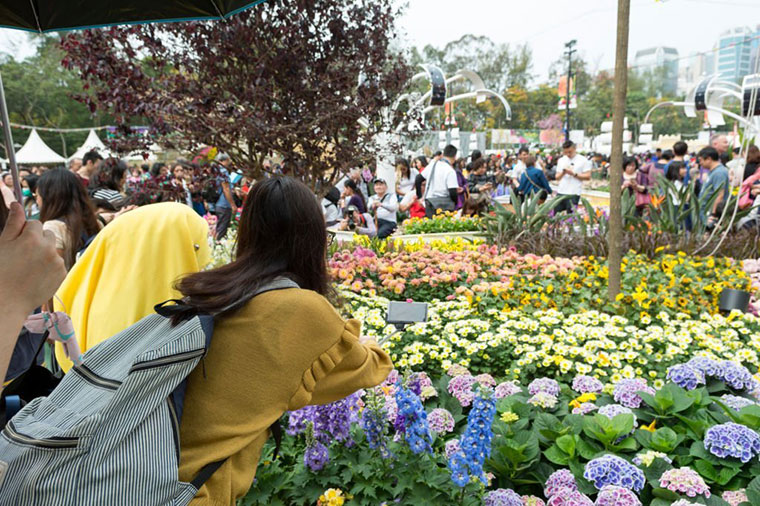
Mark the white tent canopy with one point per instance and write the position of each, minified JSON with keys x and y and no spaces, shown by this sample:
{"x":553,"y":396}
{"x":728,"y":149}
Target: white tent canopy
{"x":36,"y":152}
{"x":92,"y":142}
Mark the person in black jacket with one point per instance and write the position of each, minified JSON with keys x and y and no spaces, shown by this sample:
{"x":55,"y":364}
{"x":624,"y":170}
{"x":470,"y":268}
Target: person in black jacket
{"x":479,"y":181}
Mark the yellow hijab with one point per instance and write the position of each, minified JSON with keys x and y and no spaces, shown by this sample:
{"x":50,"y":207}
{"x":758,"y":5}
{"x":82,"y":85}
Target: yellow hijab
{"x":131,"y":266}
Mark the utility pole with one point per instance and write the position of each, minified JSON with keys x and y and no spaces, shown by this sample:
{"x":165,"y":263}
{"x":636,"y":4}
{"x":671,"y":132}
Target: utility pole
{"x":569,"y":50}
{"x":615,"y":233}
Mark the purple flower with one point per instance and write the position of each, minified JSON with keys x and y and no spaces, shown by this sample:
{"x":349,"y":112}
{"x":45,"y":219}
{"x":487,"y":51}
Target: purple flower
{"x":506,"y":389}
{"x":585,"y":408}
{"x":531,"y":500}
{"x":686,"y":376}
{"x":708,"y":366}
{"x":625,"y":392}
{"x":567,"y":497}
{"x":316,"y":457}
{"x":587,"y":384}
{"x":502,"y":497}
{"x":735,"y":402}
{"x":451,"y":447}
{"x":732,"y":440}
{"x":613,"y":410}
{"x":546,"y":385}
{"x":610,"y":495}
{"x":735,"y":375}
{"x":559,"y":480}
{"x":475,"y":445}
{"x":461,"y":388}
{"x":332,"y":422}
{"x":612,"y":470}
{"x":416,"y":429}
{"x":440,"y":421}
{"x":684,"y":481}
{"x":735,"y":497}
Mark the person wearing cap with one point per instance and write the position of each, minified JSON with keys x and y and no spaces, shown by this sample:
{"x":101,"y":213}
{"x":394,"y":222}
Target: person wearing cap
{"x":384,"y":205}
{"x":359,"y":223}
{"x":225,"y":207}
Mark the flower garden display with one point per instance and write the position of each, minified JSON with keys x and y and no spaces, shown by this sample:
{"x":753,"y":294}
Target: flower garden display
{"x":442,"y":222}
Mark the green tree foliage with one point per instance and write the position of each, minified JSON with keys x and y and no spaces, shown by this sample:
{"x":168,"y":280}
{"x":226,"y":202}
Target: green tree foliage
{"x":38,"y":91}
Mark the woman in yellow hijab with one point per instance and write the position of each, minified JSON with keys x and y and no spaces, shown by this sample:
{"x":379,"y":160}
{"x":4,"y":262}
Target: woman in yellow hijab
{"x":131,"y":266}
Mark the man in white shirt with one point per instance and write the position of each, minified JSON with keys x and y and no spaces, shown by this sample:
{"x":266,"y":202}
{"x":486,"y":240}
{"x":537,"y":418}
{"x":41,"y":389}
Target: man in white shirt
{"x":572,"y":170}
{"x":517,"y":171}
{"x":384,"y":205}
{"x":442,"y":184}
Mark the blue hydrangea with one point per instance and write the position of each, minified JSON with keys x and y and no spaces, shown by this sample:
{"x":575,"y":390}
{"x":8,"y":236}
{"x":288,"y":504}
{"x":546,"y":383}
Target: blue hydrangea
{"x":735,"y":375}
{"x":475,"y":444}
{"x":502,"y":497}
{"x":686,"y":376}
{"x":732,"y":440}
{"x":416,"y":429}
{"x":613,"y":470}
{"x":735,"y":402}
{"x":708,"y":367}
{"x":613,"y":410}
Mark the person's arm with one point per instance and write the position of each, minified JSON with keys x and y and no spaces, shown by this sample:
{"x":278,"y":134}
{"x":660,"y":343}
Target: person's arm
{"x":369,"y":230}
{"x":522,"y":188}
{"x":721,"y":188}
{"x":228,"y":196}
{"x":544,"y":183}
{"x":585,"y":175}
{"x":30,"y":273}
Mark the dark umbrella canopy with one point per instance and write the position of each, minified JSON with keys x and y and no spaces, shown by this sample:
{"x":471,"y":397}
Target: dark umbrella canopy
{"x":56,"y":15}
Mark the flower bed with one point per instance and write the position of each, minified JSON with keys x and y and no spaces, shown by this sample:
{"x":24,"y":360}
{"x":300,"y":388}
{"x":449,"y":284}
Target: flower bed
{"x":496,"y":278}
{"x":442,"y":222}
{"x":469,"y":439}
{"x":522,"y":345}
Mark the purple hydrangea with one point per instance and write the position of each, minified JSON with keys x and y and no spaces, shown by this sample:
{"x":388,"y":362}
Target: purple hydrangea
{"x":613,"y":410}
{"x":587,"y":384}
{"x":707,"y":366}
{"x":451,"y":447}
{"x":612,"y":470}
{"x":559,"y":480}
{"x":567,"y":497}
{"x":585,"y":408}
{"x":316,"y":456}
{"x":440,"y":421}
{"x":684,"y":481}
{"x":625,"y":392}
{"x":461,"y":388}
{"x":735,"y":375}
{"x":506,"y":389}
{"x":735,"y":402}
{"x":732,"y":440}
{"x":546,"y":385}
{"x":686,"y":376}
{"x":610,"y":495}
{"x":735,"y":497}
{"x":502,"y":497}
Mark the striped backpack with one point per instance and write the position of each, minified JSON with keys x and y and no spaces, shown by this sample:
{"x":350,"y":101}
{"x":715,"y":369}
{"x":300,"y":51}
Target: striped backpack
{"x":109,"y":432}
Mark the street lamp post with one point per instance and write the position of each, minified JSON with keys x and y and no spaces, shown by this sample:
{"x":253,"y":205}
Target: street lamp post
{"x":569,"y":50}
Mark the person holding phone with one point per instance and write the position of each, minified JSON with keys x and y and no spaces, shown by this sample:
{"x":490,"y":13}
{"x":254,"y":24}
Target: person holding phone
{"x":572,"y":170}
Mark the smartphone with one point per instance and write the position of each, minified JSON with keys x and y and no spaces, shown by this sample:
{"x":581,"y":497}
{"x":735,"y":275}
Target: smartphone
{"x":405,"y":313}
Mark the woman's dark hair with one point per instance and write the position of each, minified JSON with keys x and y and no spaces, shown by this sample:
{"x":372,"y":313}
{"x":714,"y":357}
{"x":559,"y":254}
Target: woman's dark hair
{"x":674,"y":171}
{"x":281,"y":234}
{"x":355,"y":188}
{"x":109,"y":175}
{"x":423,"y":160}
{"x":31,"y":181}
{"x":630,"y":160}
{"x":753,"y":154}
{"x":3,"y":214}
{"x":404,"y":165}
{"x":64,"y":198}
{"x":155,"y":170}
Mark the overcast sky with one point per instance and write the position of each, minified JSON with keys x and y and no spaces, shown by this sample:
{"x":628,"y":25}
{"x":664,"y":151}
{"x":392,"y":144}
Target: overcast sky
{"x":687,"y":25}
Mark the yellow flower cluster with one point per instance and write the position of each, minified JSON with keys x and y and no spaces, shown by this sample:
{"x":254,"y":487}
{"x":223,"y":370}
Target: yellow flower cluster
{"x":519,"y":345}
{"x":449,"y":245}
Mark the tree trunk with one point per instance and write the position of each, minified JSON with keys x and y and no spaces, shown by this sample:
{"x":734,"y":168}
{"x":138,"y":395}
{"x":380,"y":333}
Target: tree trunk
{"x":615,"y":233}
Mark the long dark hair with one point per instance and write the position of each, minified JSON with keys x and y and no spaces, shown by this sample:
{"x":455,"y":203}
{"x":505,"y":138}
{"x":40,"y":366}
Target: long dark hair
{"x":281,"y":234}
{"x":64,"y":198}
{"x":109,"y":175}
{"x":355,"y":188}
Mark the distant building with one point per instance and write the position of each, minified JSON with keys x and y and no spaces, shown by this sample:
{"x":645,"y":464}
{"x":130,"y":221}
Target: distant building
{"x":658,"y":60}
{"x":693,"y":69}
{"x":734,"y":53}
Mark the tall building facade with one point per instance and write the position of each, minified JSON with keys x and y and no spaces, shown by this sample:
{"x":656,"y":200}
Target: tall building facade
{"x":661,"y":61}
{"x":733,"y":58}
